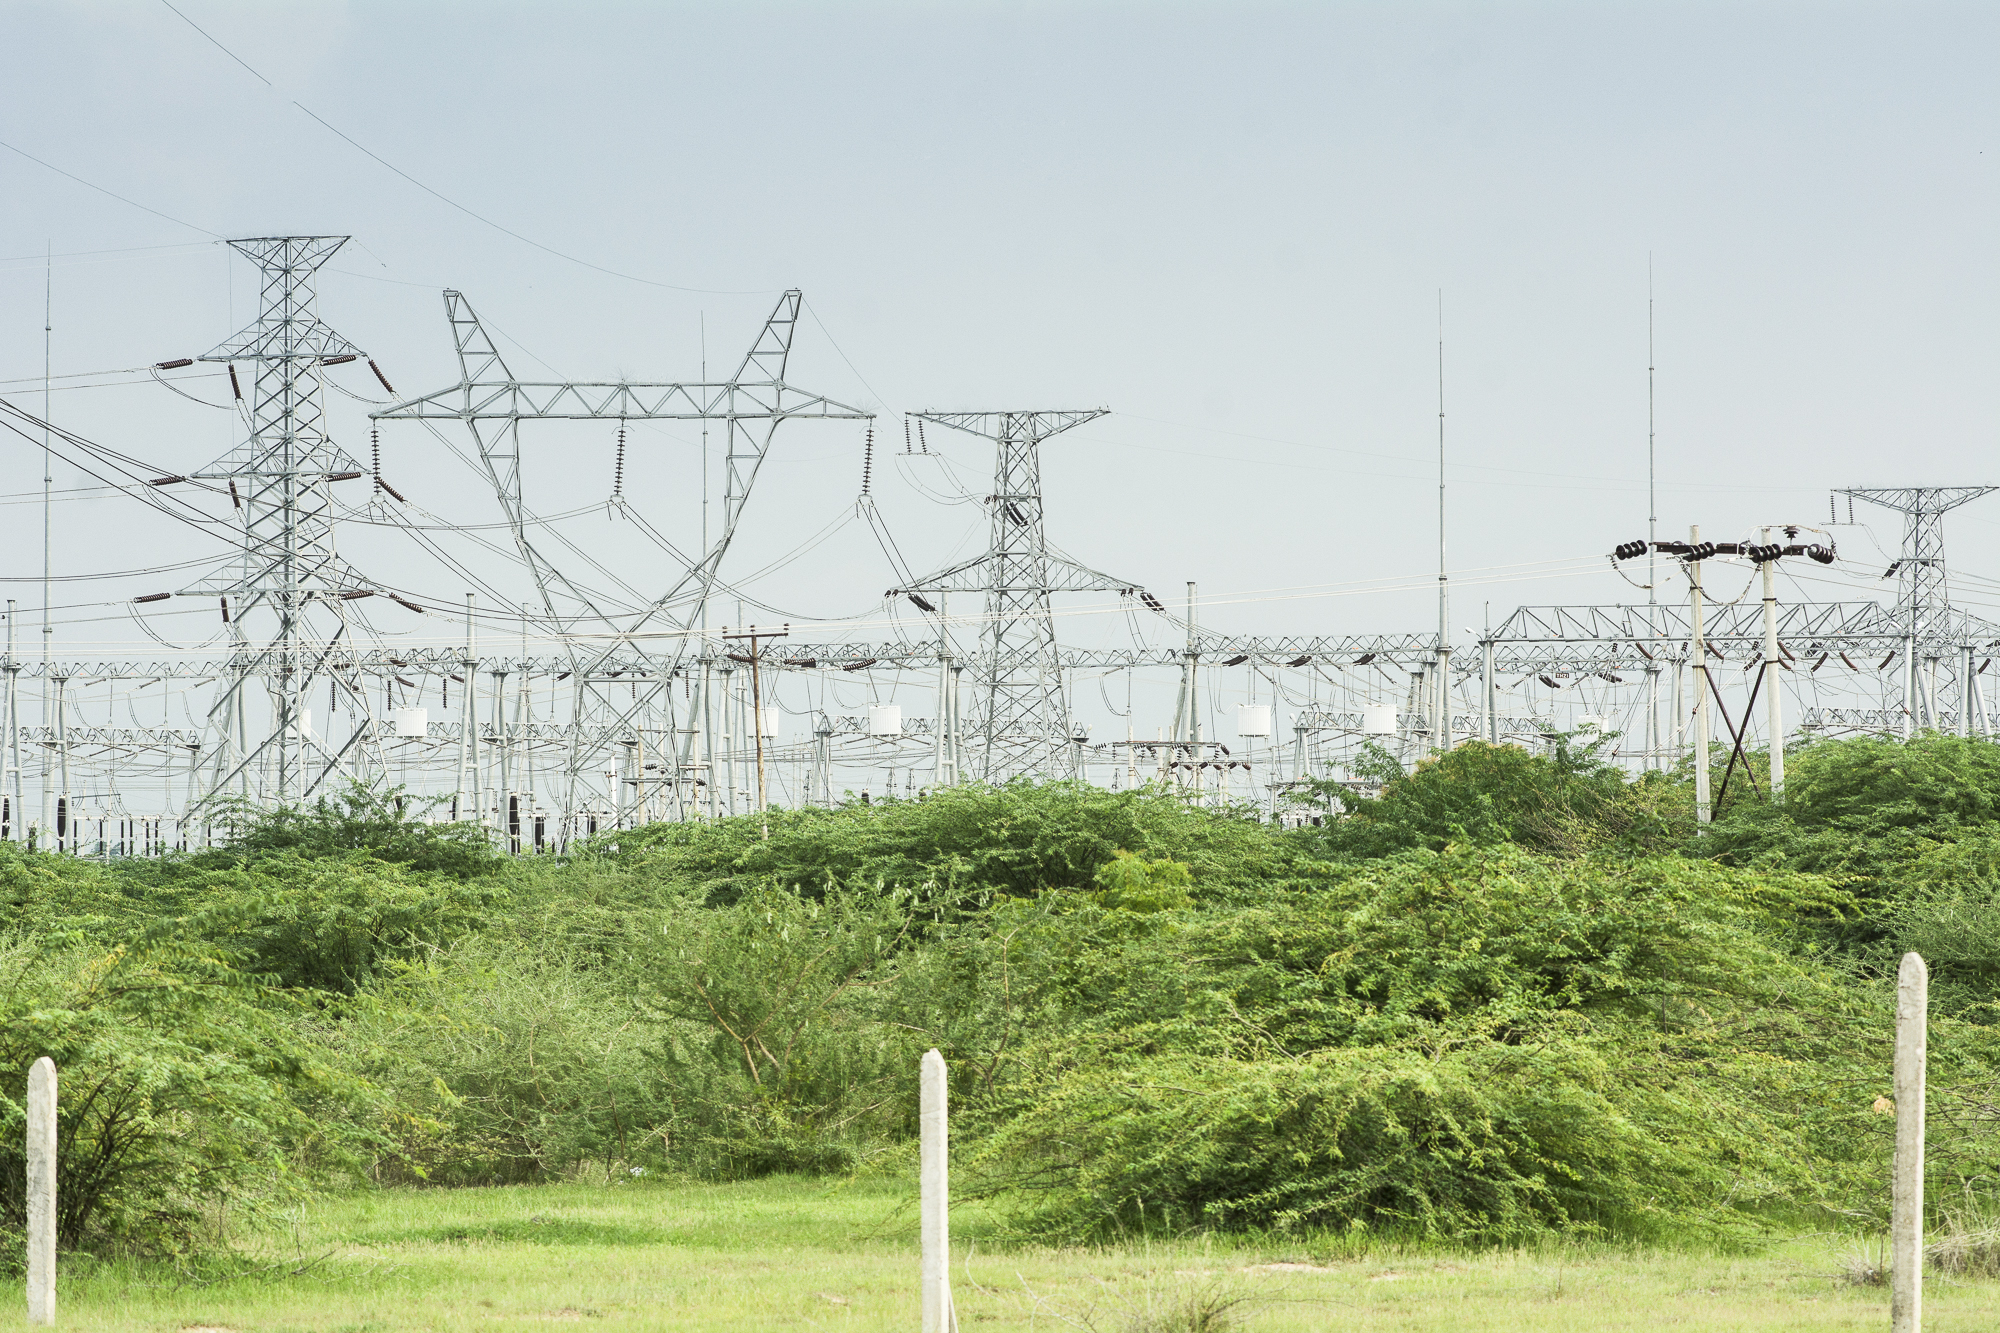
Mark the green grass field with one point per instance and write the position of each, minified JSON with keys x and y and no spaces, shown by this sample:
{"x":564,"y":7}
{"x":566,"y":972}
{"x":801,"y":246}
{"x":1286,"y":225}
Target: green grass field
{"x":806,"y":1255}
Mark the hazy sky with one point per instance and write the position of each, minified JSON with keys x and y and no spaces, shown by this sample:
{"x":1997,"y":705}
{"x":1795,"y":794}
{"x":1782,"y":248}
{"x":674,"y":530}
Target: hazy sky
{"x":1229,"y":224}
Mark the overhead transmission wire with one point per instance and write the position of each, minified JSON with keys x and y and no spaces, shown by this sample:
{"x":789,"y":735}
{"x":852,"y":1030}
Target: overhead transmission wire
{"x":439,"y":195}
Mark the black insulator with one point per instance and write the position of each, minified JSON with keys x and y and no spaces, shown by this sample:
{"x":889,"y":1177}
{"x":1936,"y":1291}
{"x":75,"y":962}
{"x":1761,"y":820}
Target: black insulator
{"x":1885,"y":661}
{"x":907,"y":446}
{"x":461,"y":679}
{"x":1700,"y":551}
{"x":1791,"y":530}
{"x":1299,"y":661}
{"x":175,"y":364}
{"x":406,"y":605}
{"x":235,"y":500}
{"x":1152,"y":602}
{"x":344,"y":476}
{"x":165,"y":481}
{"x":856,"y":666}
{"x":738,"y":657}
{"x":923,"y":445}
{"x":1982,"y":667}
{"x":1732,"y":548}
{"x":1823,"y":554}
{"x":1364,"y":659}
{"x":1715,"y":652}
{"x":235,"y":387}
{"x":563,"y":676}
{"x":380,"y":376}
{"x":153,"y":597}
{"x":375,"y":455}
{"x":398,"y":495}
{"x":1822,"y":662}
{"x":1550,"y":682}
{"x":1627,"y":550}
{"x":1014,"y":512}
{"x":922,"y":604}
{"x":406,"y":684}
{"x":225,"y":610}
{"x":1642,"y":651}
{"x":867,"y":460}
{"x":1763,"y":555}
{"x":1237,"y":660}
{"x":1850,"y":662}
{"x":805,"y":662}
{"x":339,"y":360}
{"x":357,"y":594}
{"x":618,"y":469}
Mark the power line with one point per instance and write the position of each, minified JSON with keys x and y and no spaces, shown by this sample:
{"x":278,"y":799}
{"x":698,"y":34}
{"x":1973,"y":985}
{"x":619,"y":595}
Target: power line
{"x":113,"y":194}
{"x":442,"y":197}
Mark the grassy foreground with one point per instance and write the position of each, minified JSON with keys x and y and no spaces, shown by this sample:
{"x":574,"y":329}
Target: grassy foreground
{"x":790,"y":1253}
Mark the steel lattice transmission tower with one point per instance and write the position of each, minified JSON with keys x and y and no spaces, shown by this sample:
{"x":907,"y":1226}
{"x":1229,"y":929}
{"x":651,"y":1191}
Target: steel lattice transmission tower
{"x":1019,"y":721}
{"x":278,"y":481}
{"x":1923,"y":603}
{"x":649,"y":645}
{"x":1922,"y":600}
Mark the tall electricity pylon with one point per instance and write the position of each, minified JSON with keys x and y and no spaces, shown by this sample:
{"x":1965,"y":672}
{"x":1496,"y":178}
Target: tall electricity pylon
{"x":1019,"y":721}
{"x":650,"y":645}
{"x":278,"y":482}
{"x":1923,"y":602}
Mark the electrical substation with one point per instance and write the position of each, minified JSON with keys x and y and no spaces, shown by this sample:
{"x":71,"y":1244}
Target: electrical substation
{"x":510,"y":673}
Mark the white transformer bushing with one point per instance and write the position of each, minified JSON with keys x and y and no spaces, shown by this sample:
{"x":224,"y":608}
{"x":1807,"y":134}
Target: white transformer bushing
{"x":1378,"y":720}
{"x":885,"y":719}
{"x":1253,"y":720}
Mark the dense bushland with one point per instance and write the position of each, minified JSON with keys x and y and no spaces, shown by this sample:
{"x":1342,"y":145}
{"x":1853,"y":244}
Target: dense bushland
{"x":1504,"y":994}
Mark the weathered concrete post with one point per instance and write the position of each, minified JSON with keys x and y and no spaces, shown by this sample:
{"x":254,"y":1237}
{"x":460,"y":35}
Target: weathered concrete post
{"x":939,"y":1317}
{"x":42,"y":1192}
{"x":1906,"y":1218}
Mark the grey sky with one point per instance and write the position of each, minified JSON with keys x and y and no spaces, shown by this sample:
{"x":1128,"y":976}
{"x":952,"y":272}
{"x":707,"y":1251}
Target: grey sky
{"x":1229,"y":224}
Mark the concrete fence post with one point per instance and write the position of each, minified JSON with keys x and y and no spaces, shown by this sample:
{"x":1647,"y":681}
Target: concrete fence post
{"x":1906,"y":1218}
{"x":42,"y":1192}
{"x":939,"y":1317}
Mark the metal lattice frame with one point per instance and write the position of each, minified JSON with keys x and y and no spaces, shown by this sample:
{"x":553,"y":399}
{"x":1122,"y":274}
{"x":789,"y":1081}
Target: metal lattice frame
{"x":1020,"y":721}
{"x":278,"y":481}
{"x":491,"y":403}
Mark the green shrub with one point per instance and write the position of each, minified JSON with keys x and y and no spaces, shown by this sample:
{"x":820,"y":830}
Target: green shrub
{"x":505,"y":1066}
{"x":778,"y":1055}
{"x":1017,"y":839}
{"x":185,"y":1091}
{"x":1476,"y":1042}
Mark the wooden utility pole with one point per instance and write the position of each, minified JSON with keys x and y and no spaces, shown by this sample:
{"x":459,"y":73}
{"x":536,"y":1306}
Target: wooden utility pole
{"x":755,"y":636}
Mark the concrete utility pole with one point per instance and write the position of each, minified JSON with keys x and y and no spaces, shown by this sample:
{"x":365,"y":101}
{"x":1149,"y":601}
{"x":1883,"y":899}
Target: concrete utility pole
{"x":1699,"y":652}
{"x":1774,"y":697}
{"x":42,"y":1192}
{"x":935,"y":1221}
{"x":1906,"y":1224}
